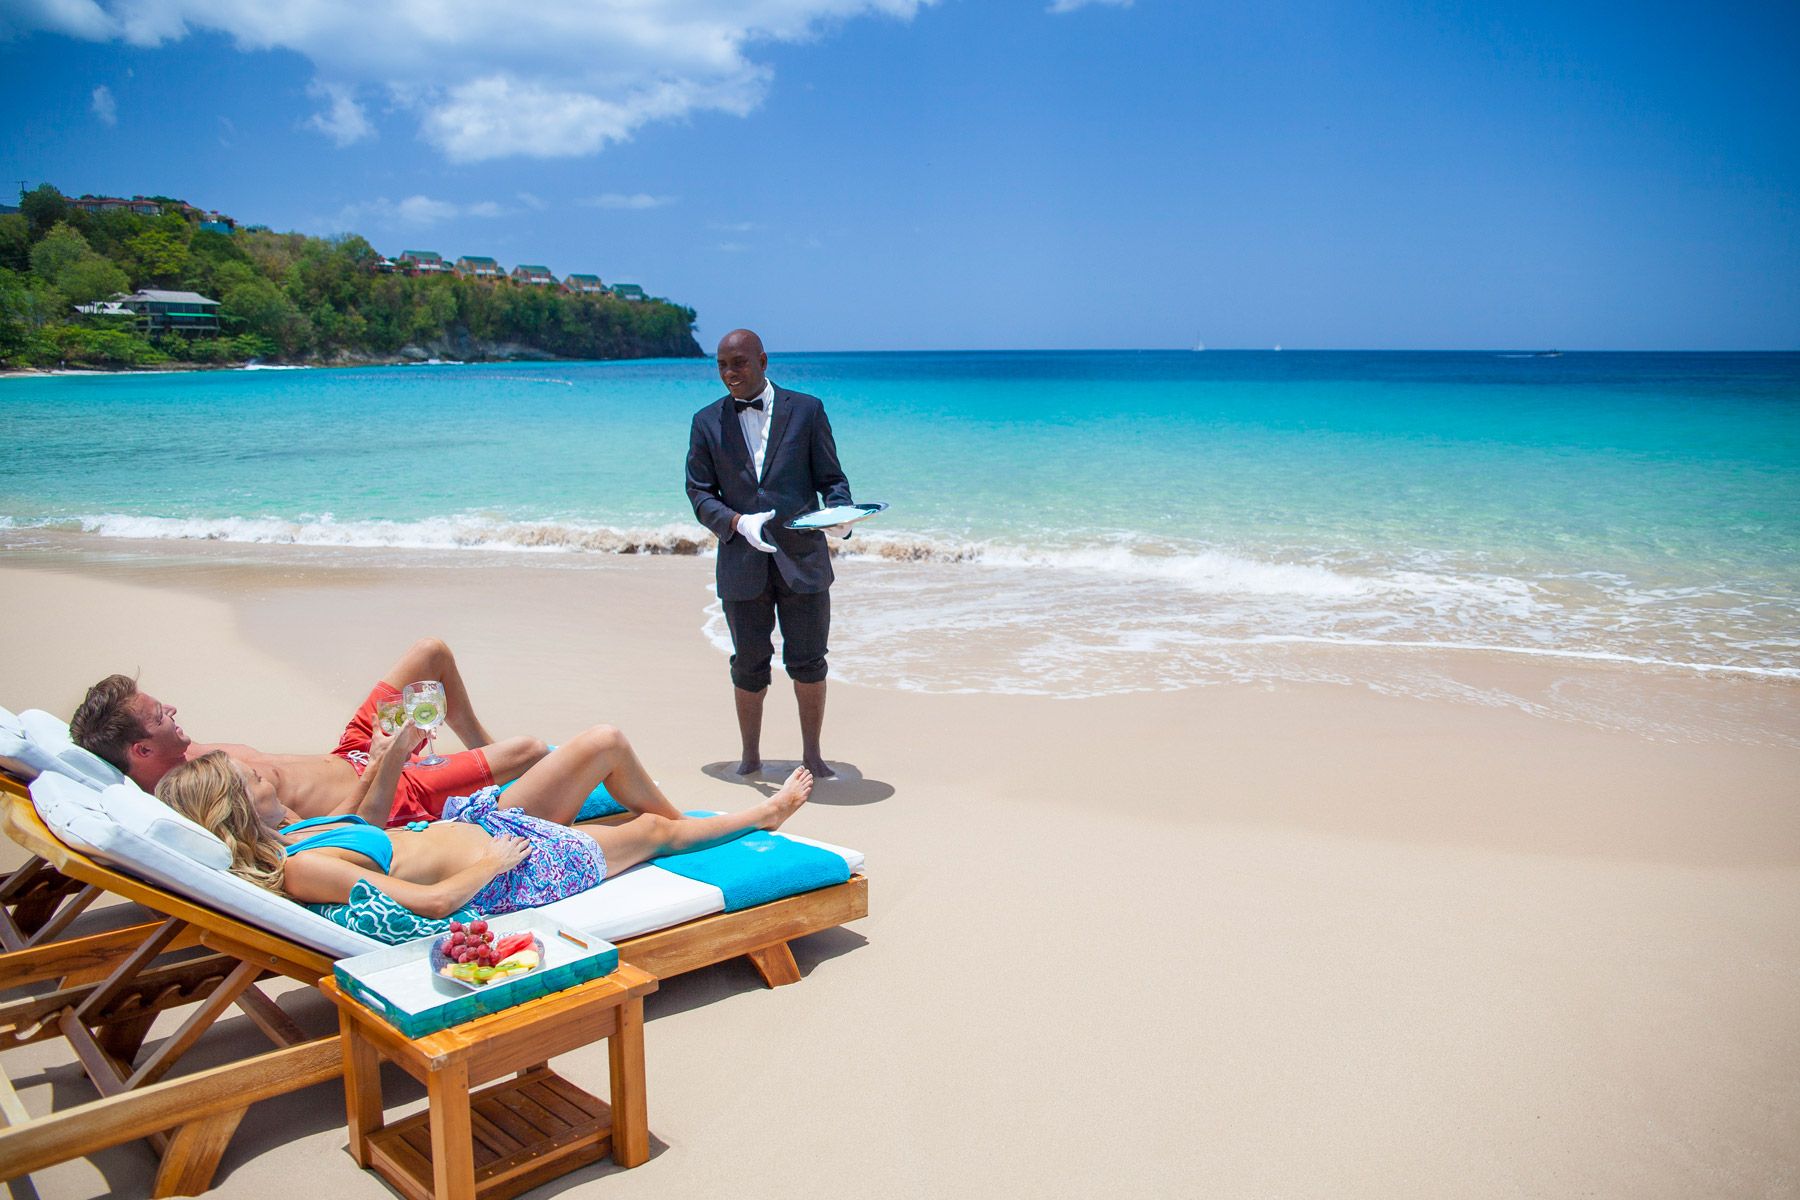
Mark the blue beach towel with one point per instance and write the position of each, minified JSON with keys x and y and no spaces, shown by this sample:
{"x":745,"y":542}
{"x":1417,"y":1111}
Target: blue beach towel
{"x":598,"y":804}
{"x":759,"y":867}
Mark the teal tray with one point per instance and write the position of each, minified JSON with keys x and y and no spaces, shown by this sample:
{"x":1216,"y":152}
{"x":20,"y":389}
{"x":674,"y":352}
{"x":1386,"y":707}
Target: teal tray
{"x":397,"y":982}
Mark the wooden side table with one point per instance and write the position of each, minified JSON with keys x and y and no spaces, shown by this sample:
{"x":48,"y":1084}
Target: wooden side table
{"x":520,"y":1132}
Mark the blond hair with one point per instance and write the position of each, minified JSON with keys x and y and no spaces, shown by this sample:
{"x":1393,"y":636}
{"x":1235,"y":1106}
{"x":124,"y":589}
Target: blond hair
{"x":210,"y":792}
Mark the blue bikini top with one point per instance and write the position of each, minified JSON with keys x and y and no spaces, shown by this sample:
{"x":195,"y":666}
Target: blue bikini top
{"x":352,"y":833}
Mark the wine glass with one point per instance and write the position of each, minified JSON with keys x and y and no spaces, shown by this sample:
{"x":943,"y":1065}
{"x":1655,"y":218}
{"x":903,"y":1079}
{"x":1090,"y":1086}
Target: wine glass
{"x":390,"y":714}
{"x":424,"y":703}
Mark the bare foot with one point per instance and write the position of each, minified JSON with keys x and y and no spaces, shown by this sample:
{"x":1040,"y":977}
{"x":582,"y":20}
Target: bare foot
{"x":820,"y":769}
{"x":749,"y":766}
{"x":786,"y":802}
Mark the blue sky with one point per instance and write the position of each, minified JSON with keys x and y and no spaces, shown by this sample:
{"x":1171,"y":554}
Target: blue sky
{"x":907,"y":174}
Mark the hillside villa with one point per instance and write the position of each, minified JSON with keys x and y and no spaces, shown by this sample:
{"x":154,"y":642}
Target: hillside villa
{"x":475,"y":266}
{"x":160,"y":311}
{"x":422,"y":262}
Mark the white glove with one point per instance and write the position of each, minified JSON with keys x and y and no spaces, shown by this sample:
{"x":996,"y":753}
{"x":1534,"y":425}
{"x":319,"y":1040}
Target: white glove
{"x":751,"y":525}
{"x":841,"y":532}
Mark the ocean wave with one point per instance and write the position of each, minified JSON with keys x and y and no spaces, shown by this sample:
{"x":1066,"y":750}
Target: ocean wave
{"x":439,"y":533}
{"x":1199,"y":572}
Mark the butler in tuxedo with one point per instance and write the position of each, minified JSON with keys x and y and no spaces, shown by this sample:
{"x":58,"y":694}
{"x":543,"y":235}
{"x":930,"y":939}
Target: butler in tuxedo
{"x":758,"y":458}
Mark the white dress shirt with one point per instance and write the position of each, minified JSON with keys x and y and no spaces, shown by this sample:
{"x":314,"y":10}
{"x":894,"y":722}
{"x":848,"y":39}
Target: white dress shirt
{"x":755,"y":425}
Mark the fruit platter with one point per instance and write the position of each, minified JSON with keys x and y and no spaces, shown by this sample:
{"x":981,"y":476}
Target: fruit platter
{"x":476,"y":957}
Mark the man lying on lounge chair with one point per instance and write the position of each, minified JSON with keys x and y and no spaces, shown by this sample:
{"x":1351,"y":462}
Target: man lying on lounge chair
{"x":137,"y":733}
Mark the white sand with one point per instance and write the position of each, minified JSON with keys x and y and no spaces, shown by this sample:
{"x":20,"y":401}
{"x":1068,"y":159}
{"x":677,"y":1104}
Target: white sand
{"x":1304,"y":941}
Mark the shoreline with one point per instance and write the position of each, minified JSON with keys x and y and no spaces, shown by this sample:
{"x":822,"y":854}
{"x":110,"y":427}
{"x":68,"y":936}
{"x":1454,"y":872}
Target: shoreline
{"x":191,"y":368}
{"x":1668,"y":699}
{"x":1293,"y":939}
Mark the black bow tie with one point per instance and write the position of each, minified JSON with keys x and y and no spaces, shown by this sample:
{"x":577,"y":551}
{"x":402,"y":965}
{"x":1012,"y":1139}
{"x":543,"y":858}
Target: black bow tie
{"x":741,"y":405}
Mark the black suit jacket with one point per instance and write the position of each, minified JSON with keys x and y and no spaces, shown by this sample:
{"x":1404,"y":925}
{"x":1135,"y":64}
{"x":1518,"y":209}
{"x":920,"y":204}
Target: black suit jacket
{"x":800,"y":465}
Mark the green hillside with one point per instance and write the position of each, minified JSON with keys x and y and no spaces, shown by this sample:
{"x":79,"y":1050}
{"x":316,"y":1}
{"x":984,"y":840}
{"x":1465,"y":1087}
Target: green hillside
{"x":283,"y":297}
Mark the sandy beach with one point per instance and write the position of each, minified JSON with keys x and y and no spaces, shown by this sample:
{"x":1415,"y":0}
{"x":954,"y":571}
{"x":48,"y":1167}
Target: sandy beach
{"x":1286,"y":940}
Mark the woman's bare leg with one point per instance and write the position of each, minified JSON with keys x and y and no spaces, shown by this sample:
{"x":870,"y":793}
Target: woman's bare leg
{"x":649,"y":835}
{"x":556,"y":786}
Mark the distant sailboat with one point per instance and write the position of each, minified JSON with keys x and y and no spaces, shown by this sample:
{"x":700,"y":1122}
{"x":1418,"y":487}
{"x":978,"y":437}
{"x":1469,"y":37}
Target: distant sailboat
{"x":1278,"y":345}
{"x":1199,"y":345}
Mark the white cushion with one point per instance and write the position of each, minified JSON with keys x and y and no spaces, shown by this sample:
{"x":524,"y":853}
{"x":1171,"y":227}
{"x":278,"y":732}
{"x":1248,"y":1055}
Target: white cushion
{"x":15,"y":746}
{"x":635,"y":901}
{"x":148,"y":817}
{"x":41,"y":742}
{"x":647,"y":897}
{"x":52,"y":733}
{"x":75,"y":814}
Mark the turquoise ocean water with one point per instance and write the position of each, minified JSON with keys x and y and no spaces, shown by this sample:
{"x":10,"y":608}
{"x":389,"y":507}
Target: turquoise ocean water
{"x":1062,"y":523}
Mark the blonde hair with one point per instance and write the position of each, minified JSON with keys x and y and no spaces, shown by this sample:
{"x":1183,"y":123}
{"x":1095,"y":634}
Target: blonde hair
{"x":210,"y":792}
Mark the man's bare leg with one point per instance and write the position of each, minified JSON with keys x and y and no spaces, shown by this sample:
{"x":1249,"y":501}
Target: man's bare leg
{"x":749,"y":717}
{"x":509,"y":758}
{"x":555,"y":788}
{"x":811,"y":697}
{"x":430,"y":658}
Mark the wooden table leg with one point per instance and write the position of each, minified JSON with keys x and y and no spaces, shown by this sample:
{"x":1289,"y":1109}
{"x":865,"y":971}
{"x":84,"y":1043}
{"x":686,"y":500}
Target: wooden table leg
{"x":630,"y":1118}
{"x":362,"y":1090}
{"x":452,"y":1133}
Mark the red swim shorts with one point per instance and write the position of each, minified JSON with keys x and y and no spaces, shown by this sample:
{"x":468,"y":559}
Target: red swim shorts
{"x":421,"y":792}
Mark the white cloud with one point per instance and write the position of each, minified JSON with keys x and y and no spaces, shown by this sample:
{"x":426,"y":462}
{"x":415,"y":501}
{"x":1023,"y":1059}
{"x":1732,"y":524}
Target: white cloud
{"x":1063,"y":6}
{"x":733,"y":226}
{"x":532,"y":202}
{"x":105,"y":107}
{"x":622,"y":200}
{"x":414,"y":212}
{"x":551,"y":78}
{"x":423,"y":210}
{"x":343,"y":120}
{"x":77,"y":18}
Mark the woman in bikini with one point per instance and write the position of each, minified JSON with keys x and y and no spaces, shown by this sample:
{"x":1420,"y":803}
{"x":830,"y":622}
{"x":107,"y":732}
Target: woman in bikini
{"x":486,"y":851}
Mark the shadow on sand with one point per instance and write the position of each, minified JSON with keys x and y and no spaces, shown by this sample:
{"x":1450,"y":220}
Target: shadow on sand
{"x":848,"y":790}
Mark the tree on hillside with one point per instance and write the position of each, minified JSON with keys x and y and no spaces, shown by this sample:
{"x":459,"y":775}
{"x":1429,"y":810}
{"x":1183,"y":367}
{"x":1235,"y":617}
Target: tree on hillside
{"x":43,"y":207}
{"x":15,"y":330}
{"x":273,"y":253}
{"x":28,"y":305}
{"x":15,"y":242}
{"x":258,"y":307}
{"x":59,"y":250}
{"x":91,"y":278}
{"x":64,"y":261}
{"x":156,"y":258}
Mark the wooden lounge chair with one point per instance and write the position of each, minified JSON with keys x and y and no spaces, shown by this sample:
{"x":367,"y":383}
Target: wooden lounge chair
{"x":111,"y":986}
